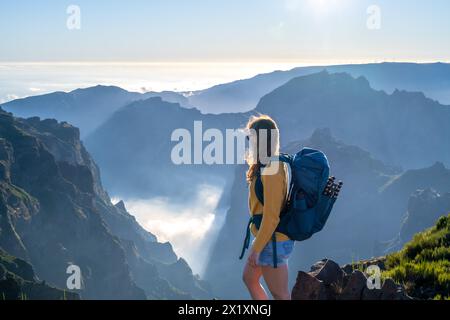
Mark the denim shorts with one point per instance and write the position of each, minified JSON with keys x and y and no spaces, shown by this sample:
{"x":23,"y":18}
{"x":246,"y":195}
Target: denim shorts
{"x":284,"y":250}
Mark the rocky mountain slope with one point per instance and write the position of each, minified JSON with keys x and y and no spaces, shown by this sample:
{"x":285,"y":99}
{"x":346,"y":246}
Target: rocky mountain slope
{"x":140,"y":164}
{"x":54,"y":212}
{"x":424,"y":208}
{"x":384,"y":124}
{"x":397,"y":191}
{"x":356,"y":113}
{"x":84,"y":108}
{"x":403,"y":194}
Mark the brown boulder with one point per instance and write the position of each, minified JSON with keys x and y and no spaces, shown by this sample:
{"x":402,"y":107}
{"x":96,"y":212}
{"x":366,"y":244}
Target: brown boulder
{"x":308,"y":287}
{"x":391,"y":291}
{"x":326,"y":280}
{"x":317,"y":266}
{"x":355,"y":286}
{"x":371,"y":294}
{"x":330,"y":274}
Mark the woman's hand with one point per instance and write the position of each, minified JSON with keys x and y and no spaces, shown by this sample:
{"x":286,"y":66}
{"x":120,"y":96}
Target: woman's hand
{"x":253,"y":259}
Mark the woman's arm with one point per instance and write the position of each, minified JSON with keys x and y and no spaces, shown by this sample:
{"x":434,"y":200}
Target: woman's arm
{"x":274,"y":198}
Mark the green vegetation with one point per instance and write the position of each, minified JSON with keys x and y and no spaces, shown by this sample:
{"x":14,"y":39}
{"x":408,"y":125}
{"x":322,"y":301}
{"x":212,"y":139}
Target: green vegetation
{"x":423,"y":265}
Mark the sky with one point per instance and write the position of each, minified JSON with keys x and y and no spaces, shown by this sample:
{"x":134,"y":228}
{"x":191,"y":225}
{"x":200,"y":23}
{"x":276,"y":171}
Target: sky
{"x":257,"y":31}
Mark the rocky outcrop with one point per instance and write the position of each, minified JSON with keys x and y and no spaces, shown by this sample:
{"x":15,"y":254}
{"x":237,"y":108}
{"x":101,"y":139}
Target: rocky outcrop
{"x":424,"y":209}
{"x":327,"y":281}
{"x":309,"y":288}
{"x":401,"y":194}
{"x":54,"y":212}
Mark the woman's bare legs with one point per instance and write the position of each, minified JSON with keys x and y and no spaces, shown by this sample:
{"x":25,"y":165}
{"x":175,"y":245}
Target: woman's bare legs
{"x":251,"y":277}
{"x":277,"y":281}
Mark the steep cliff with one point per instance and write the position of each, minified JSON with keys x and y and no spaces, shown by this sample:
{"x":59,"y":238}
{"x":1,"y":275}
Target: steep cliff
{"x":54,"y":212}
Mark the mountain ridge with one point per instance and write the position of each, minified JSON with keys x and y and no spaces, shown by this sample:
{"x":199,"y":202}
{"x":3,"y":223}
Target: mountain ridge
{"x":243,"y":95}
{"x":86,"y":108}
{"x":355,"y":112}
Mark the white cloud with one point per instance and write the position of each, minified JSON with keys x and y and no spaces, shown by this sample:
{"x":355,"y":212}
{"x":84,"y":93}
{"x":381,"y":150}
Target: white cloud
{"x":8,"y":97}
{"x":191,"y":228}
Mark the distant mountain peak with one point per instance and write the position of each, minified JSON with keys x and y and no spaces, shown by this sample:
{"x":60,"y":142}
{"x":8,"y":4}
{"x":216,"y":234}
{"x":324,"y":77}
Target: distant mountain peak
{"x":155,"y":99}
{"x":120,"y":205}
{"x":321,"y":135}
{"x":99,"y":88}
{"x":323,"y":82}
{"x":408,"y":94}
{"x":438,"y":166}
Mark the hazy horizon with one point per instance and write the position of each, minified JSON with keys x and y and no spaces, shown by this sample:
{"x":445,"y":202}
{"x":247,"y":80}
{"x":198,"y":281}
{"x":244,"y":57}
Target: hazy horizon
{"x":25,"y":79}
{"x":184,"y":46}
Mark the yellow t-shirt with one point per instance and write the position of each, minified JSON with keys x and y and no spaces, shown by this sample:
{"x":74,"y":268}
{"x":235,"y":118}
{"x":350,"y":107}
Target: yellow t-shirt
{"x":275,"y":191}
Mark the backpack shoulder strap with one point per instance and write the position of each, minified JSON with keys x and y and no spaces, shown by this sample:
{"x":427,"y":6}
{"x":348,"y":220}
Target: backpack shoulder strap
{"x":259,"y":188}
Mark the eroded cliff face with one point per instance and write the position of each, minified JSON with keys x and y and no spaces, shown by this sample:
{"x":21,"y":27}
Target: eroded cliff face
{"x":425,"y":207}
{"x":54,"y":212}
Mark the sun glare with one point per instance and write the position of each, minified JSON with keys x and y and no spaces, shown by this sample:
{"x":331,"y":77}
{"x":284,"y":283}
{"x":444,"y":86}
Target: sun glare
{"x":324,"y":6}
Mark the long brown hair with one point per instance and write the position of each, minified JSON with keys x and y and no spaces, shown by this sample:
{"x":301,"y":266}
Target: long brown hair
{"x":256,"y":125}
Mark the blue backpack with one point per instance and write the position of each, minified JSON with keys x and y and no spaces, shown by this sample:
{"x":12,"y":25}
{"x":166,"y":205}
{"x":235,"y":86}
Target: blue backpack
{"x":311,"y":196}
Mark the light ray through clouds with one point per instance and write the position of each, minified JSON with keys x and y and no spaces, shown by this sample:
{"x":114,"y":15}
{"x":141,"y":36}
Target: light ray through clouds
{"x":191,"y":228}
